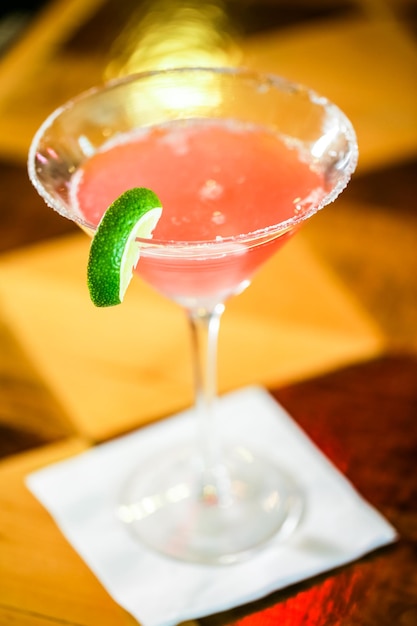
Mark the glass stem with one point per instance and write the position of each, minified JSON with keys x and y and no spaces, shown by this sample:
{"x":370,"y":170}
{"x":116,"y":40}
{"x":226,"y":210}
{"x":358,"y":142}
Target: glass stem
{"x":205,"y":324}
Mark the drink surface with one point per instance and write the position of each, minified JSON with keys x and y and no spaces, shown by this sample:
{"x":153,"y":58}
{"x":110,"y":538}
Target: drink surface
{"x":215,"y":179}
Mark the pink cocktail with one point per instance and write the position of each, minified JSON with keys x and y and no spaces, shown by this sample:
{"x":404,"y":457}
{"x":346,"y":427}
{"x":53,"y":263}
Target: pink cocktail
{"x":216,"y":180}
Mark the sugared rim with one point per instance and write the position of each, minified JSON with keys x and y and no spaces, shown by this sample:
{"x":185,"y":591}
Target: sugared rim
{"x":274,"y":81}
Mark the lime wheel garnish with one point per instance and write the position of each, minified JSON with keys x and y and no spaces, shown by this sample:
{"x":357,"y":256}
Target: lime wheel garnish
{"x":115,"y":251}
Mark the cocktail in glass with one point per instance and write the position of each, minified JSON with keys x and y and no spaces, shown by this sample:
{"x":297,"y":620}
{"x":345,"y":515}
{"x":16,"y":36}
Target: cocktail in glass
{"x":240,"y":161}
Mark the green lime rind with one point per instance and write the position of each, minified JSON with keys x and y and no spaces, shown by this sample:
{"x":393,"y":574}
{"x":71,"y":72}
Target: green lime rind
{"x":112,"y":243}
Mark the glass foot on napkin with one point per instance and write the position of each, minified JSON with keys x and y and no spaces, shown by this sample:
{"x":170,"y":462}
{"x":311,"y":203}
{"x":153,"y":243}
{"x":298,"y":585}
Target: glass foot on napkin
{"x":173,"y":507}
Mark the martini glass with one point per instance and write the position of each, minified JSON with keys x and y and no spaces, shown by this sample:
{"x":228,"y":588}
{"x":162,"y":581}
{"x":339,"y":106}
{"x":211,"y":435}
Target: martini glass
{"x":211,"y":500}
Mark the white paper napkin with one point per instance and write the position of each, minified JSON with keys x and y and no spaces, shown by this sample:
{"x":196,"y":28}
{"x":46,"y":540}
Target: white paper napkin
{"x":81,"y":495}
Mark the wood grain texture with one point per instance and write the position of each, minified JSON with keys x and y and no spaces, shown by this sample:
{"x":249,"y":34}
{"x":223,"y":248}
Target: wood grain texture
{"x":42,"y":578}
{"x":29,"y":414}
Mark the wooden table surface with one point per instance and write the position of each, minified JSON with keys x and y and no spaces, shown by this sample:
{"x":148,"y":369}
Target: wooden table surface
{"x":362,"y":413}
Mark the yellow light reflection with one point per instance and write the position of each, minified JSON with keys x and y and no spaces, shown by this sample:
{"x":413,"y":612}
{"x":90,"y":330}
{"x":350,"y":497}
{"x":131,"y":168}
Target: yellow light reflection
{"x":175,"y":33}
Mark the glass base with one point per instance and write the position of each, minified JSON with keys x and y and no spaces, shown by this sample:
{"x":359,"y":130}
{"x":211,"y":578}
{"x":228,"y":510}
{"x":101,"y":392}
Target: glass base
{"x":173,"y":509}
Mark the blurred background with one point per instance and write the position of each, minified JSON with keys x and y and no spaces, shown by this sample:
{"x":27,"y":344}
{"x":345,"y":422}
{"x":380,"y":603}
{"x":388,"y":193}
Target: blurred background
{"x":360,"y":53}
